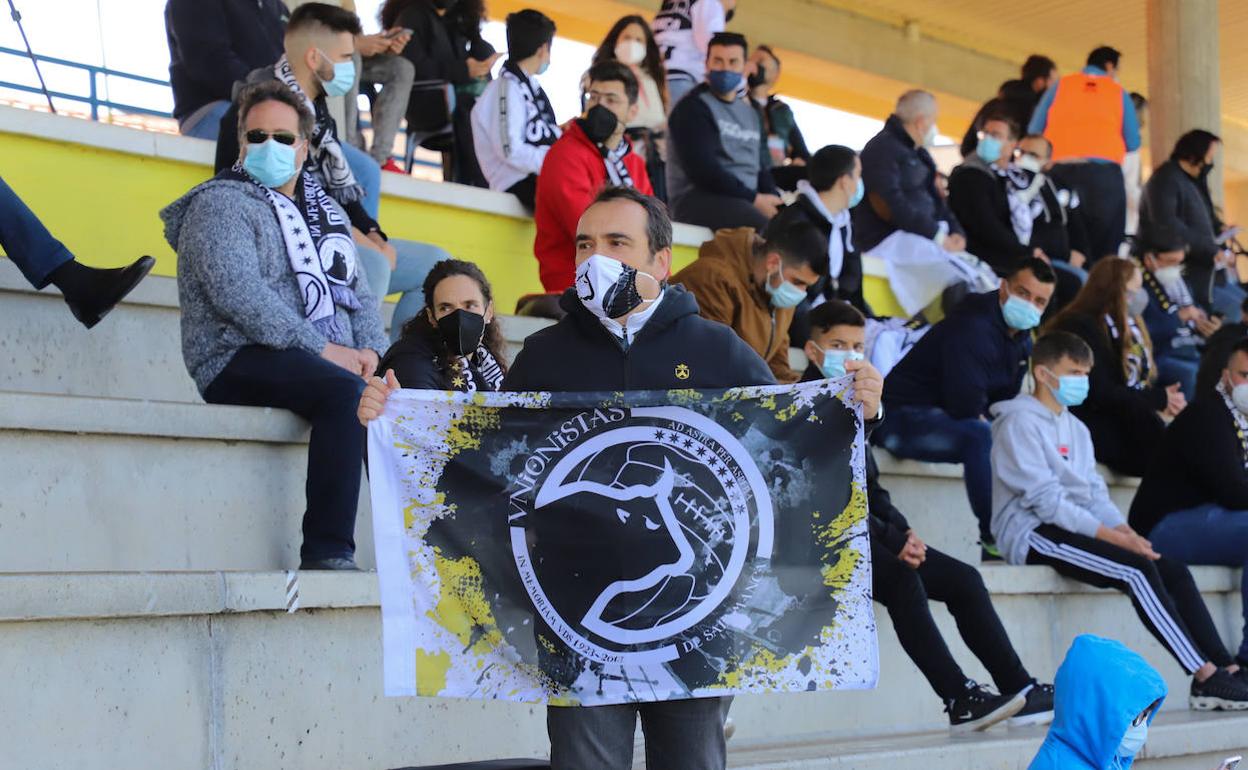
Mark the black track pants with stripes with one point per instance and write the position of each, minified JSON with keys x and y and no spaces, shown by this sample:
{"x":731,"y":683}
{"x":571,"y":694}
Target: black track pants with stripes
{"x":1163,"y":592}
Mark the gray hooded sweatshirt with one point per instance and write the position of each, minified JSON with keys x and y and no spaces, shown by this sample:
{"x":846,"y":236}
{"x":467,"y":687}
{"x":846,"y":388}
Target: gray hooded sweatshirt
{"x":1043,"y":472}
{"x":236,"y":286}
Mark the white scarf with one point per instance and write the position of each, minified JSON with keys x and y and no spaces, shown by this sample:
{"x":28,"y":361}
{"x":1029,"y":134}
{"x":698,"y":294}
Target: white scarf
{"x":326,"y":154}
{"x":839,"y":221}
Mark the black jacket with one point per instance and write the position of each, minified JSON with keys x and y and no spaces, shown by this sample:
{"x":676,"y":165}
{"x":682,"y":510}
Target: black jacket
{"x":227,"y":145}
{"x":579,"y":354}
{"x":1123,"y":420}
{"x":888,"y":525}
{"x":847,"y":286}
{"x":1174,"y":213}
{"x":213,"y":43}
{"x":900,"y":178}
{"x":1059,"y":228}
{"x":419,"y":362}
{"x":439,"y":55}
{"x":964,"y":364}
{"x":978,"y":198}
{"x":1217,"y":352}
{"x":1200,"y":460}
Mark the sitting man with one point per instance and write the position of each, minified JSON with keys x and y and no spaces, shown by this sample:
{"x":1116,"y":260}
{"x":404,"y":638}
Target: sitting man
{"x":513,"y":124}
{"x":592,"y":153}
{"x":752,"y":284}
{"x":717,"y":172}
{"x":274,"y":315}
{"x":320,"y":40}
{"x":1218,"y":351}
{"x":832,"y":188}
{"x":1057,"y":226}
{"x":905,"y":572}
{"x":786,"y":147}
{"x":1051,"y":507}
{"x":905,"y":221}
{"x":938,"y":396}
{"x":1176,"y":323}
{"x":1193,"y":501}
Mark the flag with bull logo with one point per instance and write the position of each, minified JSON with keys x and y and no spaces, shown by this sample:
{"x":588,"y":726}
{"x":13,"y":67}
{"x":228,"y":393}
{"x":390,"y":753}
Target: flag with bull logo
{"x":595,"y":548}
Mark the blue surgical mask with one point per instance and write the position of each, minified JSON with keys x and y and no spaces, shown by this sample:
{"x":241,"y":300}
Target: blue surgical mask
{"x":344,"y":77}
{"x":834,"y":362}
{"x":988,"y":149}
{"x":859,"y":192}
{"x":541,"y":70}
{"x":785,"y":295}
{"x":723,"y":81}
{"x":1020,"y":315}
{"x":1133,"y":741}
{"x":271,"y":163}
{"x":1071,"y":390}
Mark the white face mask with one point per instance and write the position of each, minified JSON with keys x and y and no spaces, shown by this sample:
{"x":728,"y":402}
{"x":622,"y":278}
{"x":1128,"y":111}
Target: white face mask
{"x":1169,"y":276}
{"x":1239,"y":397}
{"x":608,"y":288}
{"x":1030,"y":163}
{"x":929,"y":138}
{"x":631,"y":52}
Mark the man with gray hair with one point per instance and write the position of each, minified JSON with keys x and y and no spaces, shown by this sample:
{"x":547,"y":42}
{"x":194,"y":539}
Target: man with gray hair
{"x":905,"y":221}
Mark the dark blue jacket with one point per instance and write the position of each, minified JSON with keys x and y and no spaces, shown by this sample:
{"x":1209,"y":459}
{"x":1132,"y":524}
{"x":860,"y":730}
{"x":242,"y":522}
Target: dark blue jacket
{"x":213,"y":43}
{"x":965,"y":363}
{"x":579,"y":354}
{"x":900,"y":178}
{"x":1171,"y":336}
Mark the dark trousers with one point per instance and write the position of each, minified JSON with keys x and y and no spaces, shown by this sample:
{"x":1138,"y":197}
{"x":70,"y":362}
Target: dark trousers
{"x":680,"y":735}
{"x":1103,"y":199}
{"x":27,"y":242}
{"x":717,"y":211}
{"x":905,"y":593}
{"x":526,"y":191}
{"x":325,"y":395}
{"x":1163,"y":592}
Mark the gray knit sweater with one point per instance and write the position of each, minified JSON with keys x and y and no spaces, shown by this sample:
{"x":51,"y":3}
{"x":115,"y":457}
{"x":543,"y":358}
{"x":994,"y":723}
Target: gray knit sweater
{"x":235,"y":283}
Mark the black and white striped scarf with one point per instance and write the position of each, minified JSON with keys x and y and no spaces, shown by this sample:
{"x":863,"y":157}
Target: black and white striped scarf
{"x":325,"y":152}
{"x":540,"y":126}
{"x":617,"y":172}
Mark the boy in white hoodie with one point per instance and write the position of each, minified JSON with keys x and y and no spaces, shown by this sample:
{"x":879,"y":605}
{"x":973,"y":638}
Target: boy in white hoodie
{"x":1051,"y":507}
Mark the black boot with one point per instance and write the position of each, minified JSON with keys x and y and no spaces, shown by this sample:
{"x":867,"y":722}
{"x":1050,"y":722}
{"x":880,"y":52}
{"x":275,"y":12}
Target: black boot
{"x":92,"y":292}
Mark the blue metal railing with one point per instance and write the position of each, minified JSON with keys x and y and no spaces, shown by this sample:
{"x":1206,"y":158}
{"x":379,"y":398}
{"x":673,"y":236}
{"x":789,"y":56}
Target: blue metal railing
{"x":93,"y":100}
{"x":94,"y":73}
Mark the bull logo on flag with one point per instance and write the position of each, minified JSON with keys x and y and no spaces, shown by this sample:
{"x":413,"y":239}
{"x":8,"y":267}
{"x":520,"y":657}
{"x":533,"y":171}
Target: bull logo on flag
{"x":606,"y":548}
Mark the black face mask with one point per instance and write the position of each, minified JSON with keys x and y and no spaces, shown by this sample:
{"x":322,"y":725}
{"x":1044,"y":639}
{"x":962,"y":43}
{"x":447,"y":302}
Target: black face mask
{"x":758,"y":78}
{"x":728,"y":16}
{"x":445,"y":5}
{"x":1206,"y":169}
{"x":462,"y":331}
{"x":599,"y":124}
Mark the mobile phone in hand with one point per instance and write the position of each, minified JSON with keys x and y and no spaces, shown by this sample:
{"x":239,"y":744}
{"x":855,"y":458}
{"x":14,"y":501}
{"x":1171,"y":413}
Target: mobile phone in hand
{"x":1230,"y":763}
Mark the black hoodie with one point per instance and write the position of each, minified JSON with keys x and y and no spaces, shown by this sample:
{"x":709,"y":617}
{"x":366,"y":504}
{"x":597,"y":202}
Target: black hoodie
{"x":677,"y":348}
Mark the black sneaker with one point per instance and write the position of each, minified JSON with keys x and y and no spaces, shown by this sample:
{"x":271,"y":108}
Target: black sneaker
{"x":980,"y":708}
{"x":341,"y":563}
{"x":988,"y":551}
{"x":1038,"y":709}
{"x":1223,"y":691}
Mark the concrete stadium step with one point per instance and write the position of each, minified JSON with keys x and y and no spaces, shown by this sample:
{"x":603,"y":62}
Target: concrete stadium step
{"x":210,"y":670}
{"x":135,"y":353}
{"x":120,"y":484}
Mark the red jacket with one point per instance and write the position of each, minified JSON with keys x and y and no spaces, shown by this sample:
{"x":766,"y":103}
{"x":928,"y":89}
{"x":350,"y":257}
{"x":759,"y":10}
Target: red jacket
{"x":572,"y":174}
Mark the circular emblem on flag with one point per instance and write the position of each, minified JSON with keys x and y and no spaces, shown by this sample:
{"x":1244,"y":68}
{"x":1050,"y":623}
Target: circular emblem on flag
{"x":640,"y":532}
{"x":337,"y":254}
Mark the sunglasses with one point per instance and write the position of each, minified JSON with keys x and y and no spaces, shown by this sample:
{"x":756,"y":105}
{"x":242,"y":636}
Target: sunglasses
{"x":260,"y":136}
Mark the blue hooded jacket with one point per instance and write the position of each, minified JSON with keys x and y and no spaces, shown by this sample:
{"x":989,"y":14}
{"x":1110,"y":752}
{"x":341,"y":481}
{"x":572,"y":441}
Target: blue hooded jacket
{"x":1101,"y":688}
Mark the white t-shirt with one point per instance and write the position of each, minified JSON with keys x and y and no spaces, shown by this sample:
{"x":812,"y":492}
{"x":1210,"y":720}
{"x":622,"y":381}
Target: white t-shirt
{"x":683,"y":30}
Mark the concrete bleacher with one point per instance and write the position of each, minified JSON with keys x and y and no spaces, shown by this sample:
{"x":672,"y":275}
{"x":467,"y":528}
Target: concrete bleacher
{"x":144,"y":538}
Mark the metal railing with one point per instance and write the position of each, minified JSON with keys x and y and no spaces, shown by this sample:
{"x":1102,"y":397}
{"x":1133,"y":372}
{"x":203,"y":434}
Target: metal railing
{"x":93,"y":99}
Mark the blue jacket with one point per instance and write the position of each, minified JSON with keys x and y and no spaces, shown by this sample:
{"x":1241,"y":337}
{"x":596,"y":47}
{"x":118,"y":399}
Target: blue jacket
{"x":967,"y":362}
{"x":900,"y":179}
{"x":1171,"y":335}
{"x":1130,"y":121}
{"x":1101,"y":688}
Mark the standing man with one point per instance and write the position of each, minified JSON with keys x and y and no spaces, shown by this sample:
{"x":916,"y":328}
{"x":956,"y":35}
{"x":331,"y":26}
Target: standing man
{"x":1091,"y":122}
{"x":683,"y":30}
{"x":592,"y":153}
{"x":718,"y":174}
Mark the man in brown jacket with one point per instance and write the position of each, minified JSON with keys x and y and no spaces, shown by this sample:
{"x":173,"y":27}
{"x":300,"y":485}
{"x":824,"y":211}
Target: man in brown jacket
{"x":752,"y":284}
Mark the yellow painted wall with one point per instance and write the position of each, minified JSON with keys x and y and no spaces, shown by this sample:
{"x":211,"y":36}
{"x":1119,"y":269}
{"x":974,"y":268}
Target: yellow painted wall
{"x":103,"y":205}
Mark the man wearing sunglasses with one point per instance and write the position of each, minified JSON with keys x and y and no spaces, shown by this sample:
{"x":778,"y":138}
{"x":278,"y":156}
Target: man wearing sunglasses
{"x":320,"y":41}
{"x":274,"y":310}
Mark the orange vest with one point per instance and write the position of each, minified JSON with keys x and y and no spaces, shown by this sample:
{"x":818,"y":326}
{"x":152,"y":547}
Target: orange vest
{"x":1085,"y":119}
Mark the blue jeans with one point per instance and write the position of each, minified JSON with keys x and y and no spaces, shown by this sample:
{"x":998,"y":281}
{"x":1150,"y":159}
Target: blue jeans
{"x":413,"y":262}
{"x":680,"y":735}
{"x":367,"y":174}
{"x":1228,"y":298}
{"x":1172,"y":368}
{"x":1208,"y":534}
{"x":927,"y":433}
{"x":27,"y":242}
{"x":208,"y":126}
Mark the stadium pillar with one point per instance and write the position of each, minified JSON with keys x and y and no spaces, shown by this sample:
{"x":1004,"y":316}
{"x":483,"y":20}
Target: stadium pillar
{"x":1183,"y":75}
